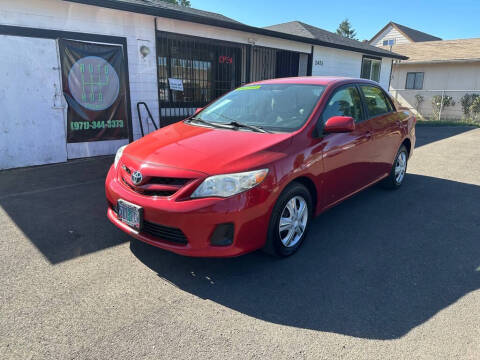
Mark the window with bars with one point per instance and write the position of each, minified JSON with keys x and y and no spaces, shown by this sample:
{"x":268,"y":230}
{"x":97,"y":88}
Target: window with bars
{"x":206,"y":69}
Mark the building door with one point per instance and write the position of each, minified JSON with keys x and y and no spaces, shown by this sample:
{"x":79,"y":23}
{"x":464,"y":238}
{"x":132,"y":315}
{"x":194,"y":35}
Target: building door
{"x":32,"y":125}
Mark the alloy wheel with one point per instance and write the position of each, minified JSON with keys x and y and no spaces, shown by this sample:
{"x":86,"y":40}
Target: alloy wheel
{"x":293,"y":221}
{"x":400,"y":167}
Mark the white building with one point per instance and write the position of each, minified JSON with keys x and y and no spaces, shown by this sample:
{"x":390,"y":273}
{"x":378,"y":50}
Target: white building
{"x":73,"y":72}
{"x":448,"y":69}
{"x":396,"y":34}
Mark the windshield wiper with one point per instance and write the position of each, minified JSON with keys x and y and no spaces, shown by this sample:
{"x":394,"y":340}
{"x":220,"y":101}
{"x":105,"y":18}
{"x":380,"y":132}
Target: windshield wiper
{"x":246,"y":126}
{"x":212,"y":124}
{"x":241,"y":125}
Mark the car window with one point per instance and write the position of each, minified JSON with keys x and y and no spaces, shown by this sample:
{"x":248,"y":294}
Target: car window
{"x":375,"y":101}
{"x":345,"y":102}
{"x":276,"y":107}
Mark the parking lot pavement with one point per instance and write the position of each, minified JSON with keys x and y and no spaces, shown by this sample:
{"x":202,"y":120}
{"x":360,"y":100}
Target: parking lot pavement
{"x":383,"y":275}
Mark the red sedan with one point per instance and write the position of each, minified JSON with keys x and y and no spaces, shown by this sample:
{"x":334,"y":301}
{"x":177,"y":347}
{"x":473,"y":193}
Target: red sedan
{"x":251,"y":170}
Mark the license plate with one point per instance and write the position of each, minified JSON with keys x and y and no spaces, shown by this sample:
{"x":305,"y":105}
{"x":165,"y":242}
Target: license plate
{"x":130,"y":214}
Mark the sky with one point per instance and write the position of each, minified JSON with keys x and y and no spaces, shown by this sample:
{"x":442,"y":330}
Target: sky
{"x":452,"y":19}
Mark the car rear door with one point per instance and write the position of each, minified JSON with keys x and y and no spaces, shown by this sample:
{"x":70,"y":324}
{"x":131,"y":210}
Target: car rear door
{"x":384,"y":123}
{"x":346,"y":156}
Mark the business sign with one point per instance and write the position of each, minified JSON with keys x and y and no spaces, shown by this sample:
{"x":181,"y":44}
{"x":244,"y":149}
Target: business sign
{"x":225,"y":59}
{"x":175,"y":84}
{"x":94,"y":86}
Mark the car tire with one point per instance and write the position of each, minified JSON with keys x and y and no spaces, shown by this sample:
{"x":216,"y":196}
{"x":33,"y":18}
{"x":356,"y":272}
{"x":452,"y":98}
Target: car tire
{"x":286,"y":241}
{"x":398,"y":171}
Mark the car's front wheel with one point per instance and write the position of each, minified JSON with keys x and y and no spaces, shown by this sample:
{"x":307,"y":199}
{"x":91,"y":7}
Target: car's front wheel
{"x":289,"y":221}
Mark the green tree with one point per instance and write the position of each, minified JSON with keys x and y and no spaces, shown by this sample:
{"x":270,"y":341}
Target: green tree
{"x":345,"y":29}
{"x":179,"y":2}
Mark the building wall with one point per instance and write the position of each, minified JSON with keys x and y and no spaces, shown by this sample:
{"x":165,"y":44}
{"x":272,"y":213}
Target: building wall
{"x":337,"y":62}
{"x":138,"y":30}
{"x":452,"y":79}
{"x":390,"y":33}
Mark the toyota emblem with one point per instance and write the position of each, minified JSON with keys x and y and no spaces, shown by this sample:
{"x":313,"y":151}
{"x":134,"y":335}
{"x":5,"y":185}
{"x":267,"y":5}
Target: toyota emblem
{"x":137,"y":177}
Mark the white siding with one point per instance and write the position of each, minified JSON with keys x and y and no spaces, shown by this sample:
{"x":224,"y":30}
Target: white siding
{"x":390,"y":33}
{"x":137,"y":28}
{"x":336,"y":62}
{"x":450,"y":79}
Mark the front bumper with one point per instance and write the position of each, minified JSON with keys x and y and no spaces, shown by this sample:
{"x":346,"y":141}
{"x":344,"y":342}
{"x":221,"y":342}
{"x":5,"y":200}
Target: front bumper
{"x":197,"y":218}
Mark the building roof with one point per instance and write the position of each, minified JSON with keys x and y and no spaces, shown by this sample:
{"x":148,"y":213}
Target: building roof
{"x":411,"y":34}
{"x":162,"y":9}
{"x":182,"y":9}
{"x":462,"y":50}
{"x":305,"y":30}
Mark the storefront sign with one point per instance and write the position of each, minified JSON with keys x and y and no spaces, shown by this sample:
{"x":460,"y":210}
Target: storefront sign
{"x":175,"y":84}
{"x":225,"y":60}
{"x":93,"y":77}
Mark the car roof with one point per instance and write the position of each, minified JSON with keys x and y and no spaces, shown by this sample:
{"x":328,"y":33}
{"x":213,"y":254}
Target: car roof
{"x":313,"y":80}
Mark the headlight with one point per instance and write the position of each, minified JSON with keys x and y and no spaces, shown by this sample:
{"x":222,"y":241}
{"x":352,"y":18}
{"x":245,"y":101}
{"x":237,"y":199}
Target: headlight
{"x":229,"y":184}
{"x":118,"y":155}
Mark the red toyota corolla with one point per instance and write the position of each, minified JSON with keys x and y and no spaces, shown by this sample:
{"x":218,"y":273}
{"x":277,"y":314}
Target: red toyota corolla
{"x":251,"y":170}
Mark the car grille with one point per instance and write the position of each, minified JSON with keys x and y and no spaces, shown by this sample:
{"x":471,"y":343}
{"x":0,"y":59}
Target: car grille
{"x":168,"y":181}
{"x":148,"y":192}
{"x":154,"y":186}
{"x":164,"y":232}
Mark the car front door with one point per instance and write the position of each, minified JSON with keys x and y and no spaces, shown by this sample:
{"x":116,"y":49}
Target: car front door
{"x":346,"y":156}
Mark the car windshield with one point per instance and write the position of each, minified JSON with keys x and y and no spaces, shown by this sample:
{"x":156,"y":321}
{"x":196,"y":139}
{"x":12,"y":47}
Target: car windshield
{"x":272,"y":107}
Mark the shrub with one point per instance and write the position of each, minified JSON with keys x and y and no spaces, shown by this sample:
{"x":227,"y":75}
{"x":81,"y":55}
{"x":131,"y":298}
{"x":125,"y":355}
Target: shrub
{"x":474,"y":109}
{"x":467,"y":101}
{"x":437,"y":105}
{"x":419,"y":100}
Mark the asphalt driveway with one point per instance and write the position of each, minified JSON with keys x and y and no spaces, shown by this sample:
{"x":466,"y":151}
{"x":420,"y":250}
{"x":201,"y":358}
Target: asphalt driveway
{"x":383,"y":275}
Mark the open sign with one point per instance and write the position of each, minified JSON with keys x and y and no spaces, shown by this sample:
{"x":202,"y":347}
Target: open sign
{"x":225,"y":59}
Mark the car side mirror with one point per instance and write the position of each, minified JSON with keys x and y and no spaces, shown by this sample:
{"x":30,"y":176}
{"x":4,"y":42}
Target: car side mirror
{"x":197,"y":111}
{"x":339,"y":124}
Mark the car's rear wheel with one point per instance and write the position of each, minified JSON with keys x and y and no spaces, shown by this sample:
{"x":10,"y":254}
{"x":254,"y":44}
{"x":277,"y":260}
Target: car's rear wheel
{"x":289,"y":221}
{"x":399,"y":169}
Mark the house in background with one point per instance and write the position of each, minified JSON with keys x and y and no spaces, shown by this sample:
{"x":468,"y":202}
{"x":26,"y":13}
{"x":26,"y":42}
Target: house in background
{"x":364,"y":61}
{"x":395,"y":34}
{"x":446,"y":69}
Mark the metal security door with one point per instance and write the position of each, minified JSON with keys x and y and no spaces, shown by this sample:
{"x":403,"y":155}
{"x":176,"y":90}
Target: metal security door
{"x":32,"y":125}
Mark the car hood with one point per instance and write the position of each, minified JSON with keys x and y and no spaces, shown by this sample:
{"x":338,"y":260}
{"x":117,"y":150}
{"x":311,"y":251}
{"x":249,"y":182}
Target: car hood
{"x":208,"y":150}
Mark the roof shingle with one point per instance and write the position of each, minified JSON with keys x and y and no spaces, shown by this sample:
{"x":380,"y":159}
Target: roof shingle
{"x":301,"y":29}
{"x":440,"y":51}
{"x":415,"y":35}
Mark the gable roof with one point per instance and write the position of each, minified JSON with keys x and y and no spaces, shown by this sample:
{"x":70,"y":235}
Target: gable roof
{"x":461,"y":50}
{"x":411,"y":34}
{"x":312,"y":32}
{"x":162,"y":9}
